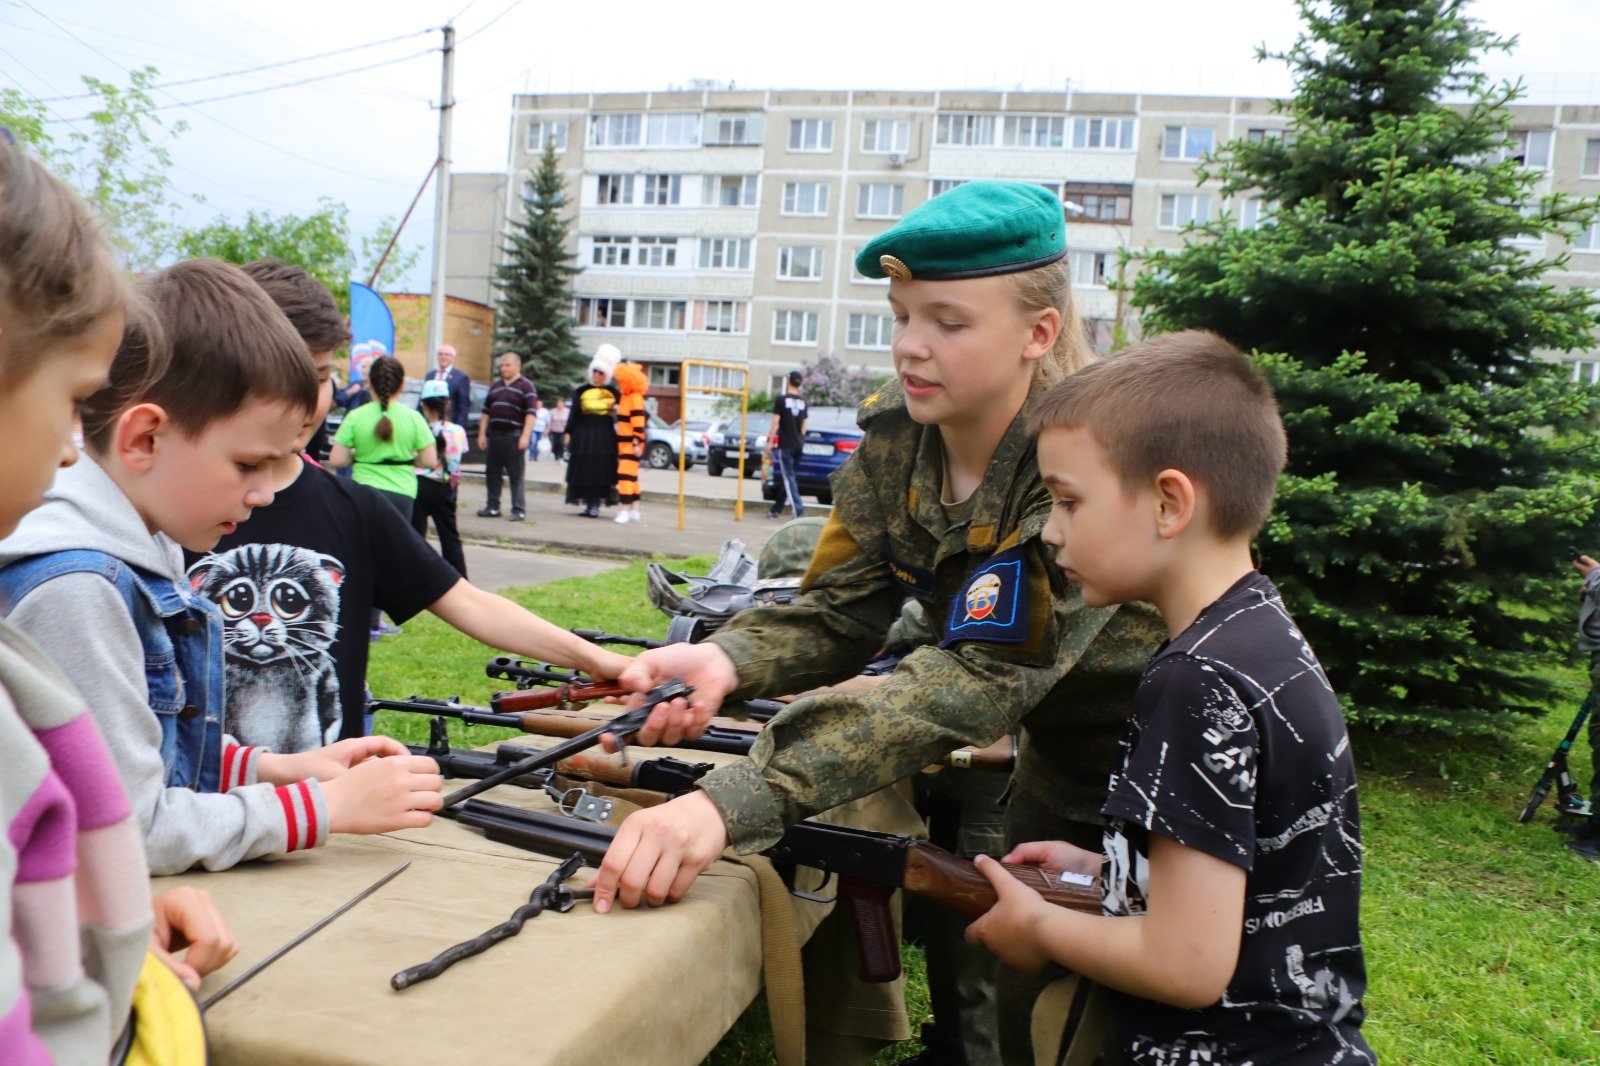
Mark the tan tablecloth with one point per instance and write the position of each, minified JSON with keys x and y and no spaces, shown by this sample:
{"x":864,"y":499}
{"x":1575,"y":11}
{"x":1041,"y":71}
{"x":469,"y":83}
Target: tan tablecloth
{"x":645,"y":986}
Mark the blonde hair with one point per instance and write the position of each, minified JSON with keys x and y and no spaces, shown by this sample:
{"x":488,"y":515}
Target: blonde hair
{"x":58,"y":276}
{"x":1039,"y":290}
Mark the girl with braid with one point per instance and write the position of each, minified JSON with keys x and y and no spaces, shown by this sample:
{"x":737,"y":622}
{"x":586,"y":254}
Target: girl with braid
{"x":386,"y":441}
{"x":633,"y":383}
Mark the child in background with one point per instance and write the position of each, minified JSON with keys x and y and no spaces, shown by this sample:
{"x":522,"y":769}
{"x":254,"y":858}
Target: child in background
{"x":436,"y":485}
{"x":74,"y":888}
{"x":1586,"y":839}
{"x":178,"y":446}
{"x":1232,"y":854}
{"x":385,"y":441}
{"x":632,"y":383}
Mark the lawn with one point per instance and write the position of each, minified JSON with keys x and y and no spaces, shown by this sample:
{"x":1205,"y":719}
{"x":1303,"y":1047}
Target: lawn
{"x":1482,"y":935}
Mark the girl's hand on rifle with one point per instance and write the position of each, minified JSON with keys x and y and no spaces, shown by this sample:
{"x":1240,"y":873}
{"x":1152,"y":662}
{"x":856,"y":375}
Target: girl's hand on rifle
{"x":704,"y":667}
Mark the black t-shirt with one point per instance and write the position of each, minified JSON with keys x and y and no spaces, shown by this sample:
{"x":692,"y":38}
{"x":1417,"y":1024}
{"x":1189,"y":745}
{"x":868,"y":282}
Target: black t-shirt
{"x":297,"y":584}
{"x":791,"y":412}
{"x":1237,"y":748}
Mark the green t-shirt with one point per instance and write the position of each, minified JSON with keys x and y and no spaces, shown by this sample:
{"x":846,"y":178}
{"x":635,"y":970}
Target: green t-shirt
{"x":385,"y":464}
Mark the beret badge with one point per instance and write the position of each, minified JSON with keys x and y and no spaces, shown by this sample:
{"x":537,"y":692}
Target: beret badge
{"x":894,"y":268}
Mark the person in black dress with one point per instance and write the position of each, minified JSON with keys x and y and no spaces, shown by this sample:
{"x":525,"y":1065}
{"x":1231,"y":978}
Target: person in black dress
{"x":592,"y":436}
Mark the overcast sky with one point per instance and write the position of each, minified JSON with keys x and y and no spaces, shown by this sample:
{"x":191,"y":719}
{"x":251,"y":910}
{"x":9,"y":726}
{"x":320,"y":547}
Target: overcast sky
{"x":368,"y":138}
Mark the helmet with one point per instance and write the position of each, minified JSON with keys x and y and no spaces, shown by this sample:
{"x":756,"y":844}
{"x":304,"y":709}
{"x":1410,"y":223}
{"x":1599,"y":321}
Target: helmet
{"x":789,"y":549}
{"x":435,"y":390}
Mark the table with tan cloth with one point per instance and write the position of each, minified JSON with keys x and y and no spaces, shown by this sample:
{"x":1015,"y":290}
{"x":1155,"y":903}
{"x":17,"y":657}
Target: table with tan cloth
{"x":650,"y":985}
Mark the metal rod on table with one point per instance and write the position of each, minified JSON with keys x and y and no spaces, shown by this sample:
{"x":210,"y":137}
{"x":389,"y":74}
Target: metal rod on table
{"x":228,"y":988}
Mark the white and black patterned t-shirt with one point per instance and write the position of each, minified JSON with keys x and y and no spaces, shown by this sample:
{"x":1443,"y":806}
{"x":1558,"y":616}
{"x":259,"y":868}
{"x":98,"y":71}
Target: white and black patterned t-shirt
{"x":1237,"y":749}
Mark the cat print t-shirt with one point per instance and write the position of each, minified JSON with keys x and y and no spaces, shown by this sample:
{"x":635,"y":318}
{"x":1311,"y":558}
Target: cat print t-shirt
{"x":296,"y":584}
{"x":1237,"y":748}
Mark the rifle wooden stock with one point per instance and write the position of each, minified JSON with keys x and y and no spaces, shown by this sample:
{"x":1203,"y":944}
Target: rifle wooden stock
{"x":563,"y":695}
{"x":933,"y":872}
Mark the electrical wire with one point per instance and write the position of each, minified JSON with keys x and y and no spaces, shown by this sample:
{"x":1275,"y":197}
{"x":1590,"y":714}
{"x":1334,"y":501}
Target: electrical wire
{"x":514,"y":5}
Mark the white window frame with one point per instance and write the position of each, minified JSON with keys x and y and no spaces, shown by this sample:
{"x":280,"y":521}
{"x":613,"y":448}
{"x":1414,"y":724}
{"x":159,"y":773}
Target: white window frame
{"x":870,"y":332}
{"x":812,"y":135}
{"x":1587,"y":239}
{"x":673,"y":129}
{"x":1103,"y":133}
{"x":795,"y":328}
{"x":808,"y":258}
{"x":714,"y":184}
{"x":942,"y":185}
{"x":859,"y":278}
{"x":609,"y":250}
{"x":880,"y":199}
{"x":1090,"y":269}
{"x":616,"y":129}
{"x":1256,"y":212}
{"x":1179,"y":143}
{"x":818,"y":199}
{"x":1591,"y":158}
{"x":964,"y":129}
{"x":1034,"y":131}
{"x":663,"y":190}
{"x":657,"y":253}
{"x":1179,"y":209}
{"x":675,"y":313}
{"x":590,"y":308}
{"x":885,"y":136}
{"x":1522,"y":143}
{"x":603,"y":181}
{"x":724,"y":316}
{"x":1095,"y":202}
{"x":542,"y":130}
{"x":1586,"y":371}
{"x":734,"y":129}
{"x":725,"y":253}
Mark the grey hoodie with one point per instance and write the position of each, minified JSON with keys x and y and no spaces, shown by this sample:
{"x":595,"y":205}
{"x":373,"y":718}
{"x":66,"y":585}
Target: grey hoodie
{"x":83,"y":625}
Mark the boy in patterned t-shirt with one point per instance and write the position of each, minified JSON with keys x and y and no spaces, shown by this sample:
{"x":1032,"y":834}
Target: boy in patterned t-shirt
{"x":1232,"y":856}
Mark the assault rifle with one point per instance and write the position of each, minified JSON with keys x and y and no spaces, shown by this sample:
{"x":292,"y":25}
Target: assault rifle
{"x":719,"y":737}
{"x":575,"y":687}
{"x":869,"y":867}
{"x":665,"y":775}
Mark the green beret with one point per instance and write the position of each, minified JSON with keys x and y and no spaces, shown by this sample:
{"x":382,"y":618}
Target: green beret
{"x":974,"y":230}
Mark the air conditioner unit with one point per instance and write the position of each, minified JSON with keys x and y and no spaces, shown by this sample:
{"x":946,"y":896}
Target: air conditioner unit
{"x":897,"y":159}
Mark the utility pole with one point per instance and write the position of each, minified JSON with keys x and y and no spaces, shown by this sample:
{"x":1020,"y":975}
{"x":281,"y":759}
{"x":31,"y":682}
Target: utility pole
{"x":441,"y":210}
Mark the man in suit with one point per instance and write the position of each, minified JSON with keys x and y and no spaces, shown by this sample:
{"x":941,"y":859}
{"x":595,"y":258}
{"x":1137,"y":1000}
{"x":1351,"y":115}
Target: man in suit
{"x":459,"y":383}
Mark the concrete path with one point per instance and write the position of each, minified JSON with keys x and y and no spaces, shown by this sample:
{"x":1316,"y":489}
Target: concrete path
{"x":494,"y":569}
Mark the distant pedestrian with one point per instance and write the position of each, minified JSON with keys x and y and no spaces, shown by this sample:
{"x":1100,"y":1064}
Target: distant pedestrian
{"x":592,"y":436}
{"x":541,"y":426}
{"x":384,"y":439}
{"x":436,"y":485}
{"x":503,"y":434}
{"x":784,"y":441}
{"x":558,"y":430}
{"x":632,"y":383}
{"x":458,"y":382}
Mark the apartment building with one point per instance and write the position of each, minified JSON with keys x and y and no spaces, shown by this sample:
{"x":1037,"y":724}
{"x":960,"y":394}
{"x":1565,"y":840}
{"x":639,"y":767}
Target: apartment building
{"x":722,"y":224}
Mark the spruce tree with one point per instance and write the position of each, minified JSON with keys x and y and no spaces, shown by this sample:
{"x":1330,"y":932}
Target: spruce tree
{"x":1438,"y":465}
{"x":534,"y":315}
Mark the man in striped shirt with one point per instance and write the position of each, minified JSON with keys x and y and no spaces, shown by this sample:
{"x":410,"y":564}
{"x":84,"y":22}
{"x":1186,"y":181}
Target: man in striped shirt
{"x":503,"y":435}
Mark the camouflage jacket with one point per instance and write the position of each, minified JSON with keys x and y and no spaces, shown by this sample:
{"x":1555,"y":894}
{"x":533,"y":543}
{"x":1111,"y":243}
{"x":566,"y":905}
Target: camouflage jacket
{"x":1015,"y":641}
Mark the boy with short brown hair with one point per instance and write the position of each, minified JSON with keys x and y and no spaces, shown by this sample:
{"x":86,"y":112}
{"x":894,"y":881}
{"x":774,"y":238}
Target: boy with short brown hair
{"x":178,"y":445}
{"x":1232,"y":854}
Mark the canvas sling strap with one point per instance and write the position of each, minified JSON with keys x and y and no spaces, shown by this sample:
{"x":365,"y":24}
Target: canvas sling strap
{"x":1072,"y":998}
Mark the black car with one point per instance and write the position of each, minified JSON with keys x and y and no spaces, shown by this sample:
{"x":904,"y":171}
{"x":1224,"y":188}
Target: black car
{"x":723,"y":453}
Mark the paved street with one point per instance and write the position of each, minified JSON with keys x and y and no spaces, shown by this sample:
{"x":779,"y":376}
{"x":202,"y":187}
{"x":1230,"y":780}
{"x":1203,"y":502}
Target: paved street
{"x":494,"y":569}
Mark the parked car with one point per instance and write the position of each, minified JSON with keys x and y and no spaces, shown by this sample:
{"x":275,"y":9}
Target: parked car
{"x":831,"y":437}
{"x":724,"y":449}
{"x":661,"y":443}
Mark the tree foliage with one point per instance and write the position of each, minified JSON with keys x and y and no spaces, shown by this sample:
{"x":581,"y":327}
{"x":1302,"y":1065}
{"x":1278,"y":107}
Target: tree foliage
{"x":319,"y":243}
{"x":831,"y":382}
{"x":534,"y":283}
{"x":116,"y":155}
{"x":1437,"y":463}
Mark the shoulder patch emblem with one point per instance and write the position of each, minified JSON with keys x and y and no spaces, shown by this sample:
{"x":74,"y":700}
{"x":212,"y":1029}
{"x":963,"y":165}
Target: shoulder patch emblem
{"x":992,"y":606}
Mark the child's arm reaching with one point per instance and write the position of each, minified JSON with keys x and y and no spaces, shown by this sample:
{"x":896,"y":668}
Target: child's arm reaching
{"x":1181,"y":951}
{"x":500,"y":623}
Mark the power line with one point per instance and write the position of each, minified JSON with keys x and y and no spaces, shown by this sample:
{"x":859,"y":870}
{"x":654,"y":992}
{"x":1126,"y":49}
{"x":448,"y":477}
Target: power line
{"x":491,"y":22}
{"x":269,"y":66}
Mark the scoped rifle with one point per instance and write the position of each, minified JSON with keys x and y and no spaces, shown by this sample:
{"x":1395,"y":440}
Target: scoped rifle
{"x":868,"y":866}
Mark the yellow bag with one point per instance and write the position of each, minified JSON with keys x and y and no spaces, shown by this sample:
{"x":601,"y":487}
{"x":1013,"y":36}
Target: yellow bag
{"x":167,"y":1029}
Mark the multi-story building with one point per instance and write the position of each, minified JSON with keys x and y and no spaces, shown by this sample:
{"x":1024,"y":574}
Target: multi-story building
{"x":723,"y":224}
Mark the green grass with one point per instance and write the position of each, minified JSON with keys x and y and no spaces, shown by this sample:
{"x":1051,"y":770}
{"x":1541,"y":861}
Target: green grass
{"x":1482,"y":936}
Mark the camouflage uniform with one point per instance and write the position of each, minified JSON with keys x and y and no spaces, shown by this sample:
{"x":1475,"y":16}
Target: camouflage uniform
{"x":1015,"y":643}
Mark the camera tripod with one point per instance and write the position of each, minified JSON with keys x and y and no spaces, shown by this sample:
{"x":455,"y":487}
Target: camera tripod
{"x":1558,"y":776}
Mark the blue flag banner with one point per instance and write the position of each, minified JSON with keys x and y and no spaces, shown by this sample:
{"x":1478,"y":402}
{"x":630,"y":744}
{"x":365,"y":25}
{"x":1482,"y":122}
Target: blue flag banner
{"x":371,"y":329}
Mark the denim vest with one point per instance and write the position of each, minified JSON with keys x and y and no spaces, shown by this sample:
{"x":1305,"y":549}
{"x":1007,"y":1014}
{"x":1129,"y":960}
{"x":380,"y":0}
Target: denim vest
{"x":183,"y":664}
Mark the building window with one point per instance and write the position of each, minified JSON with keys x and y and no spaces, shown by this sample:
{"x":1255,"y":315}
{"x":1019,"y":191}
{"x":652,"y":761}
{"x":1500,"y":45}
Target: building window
{"x":1588,"y":239}
{"x":673,"y":129}
{"x":1187,"y":142}
{"x":614,"y":189}
{"x":870,"y":331}
{"x":615,"y":131}
{"x":612,"y":252}
{"x":939,"y":185}
{"x":811,"y":135}
{"x":723,"y":316}
{"x":724,"y":253}
{"x":540,"y":132}
{"x":1256,"y":212}
{"x":658,"y":252}
{"x":729,"y":190}
{"x":1586,"y":371}
{"x":663,"y":189}
{"x":1034,"y":131}
{"x":1530,"y":148}
{"x":1103,"y":134}
{"x":794,"y":327}
{"x":965,"y":129}
{"x":1099,"y":202}
{"x":659,"y":314}
{"x":880,"y":136}
{"x":665,"y":377}
{"x":880,"y":201}
{"x":1180,"y":209}
{"x":1089,"y":269}
{"x":860,"y":278}
{"x":1263,"y":134}
{"x":1051,"y":187}
{"x":732,"y":129}
{"x":602,"y":312}
{"x":1591,"y":158}
{"x":715,"y":377}
{"x":798,"y":263}
{"x":805,"y":198}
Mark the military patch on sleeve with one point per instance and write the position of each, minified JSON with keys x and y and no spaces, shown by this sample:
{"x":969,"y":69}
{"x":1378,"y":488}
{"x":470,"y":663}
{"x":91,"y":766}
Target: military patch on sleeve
{"x":992,"y":605}
{"x":912,"y":578}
